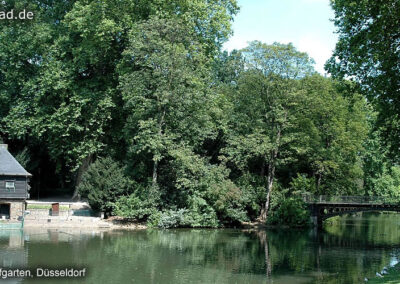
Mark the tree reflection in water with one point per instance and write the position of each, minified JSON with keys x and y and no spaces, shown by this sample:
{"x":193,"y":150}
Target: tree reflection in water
{"x":349,"y":250}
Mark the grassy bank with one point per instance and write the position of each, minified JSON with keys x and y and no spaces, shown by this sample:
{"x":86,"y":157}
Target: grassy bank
{"x":45,"y":206}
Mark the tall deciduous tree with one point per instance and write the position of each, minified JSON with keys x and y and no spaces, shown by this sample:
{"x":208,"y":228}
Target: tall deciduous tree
{"x":368,"y":51}
{"x":264,"y":103}
{"x":163,"y":82}
{"x":333,"y":127}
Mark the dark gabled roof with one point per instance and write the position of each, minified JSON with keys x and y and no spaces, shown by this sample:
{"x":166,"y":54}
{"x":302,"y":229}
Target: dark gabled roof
{"x":9,"y":165}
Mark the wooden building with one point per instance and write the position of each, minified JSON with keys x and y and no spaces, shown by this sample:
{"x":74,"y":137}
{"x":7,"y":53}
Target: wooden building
{"x":14,"y":186}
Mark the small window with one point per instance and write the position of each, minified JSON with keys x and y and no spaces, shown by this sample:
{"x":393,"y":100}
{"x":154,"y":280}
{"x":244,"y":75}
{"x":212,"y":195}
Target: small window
{"x":10,"y":185}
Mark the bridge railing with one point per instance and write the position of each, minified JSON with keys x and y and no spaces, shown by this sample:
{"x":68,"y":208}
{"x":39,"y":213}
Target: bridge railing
{"x":308,"y":198}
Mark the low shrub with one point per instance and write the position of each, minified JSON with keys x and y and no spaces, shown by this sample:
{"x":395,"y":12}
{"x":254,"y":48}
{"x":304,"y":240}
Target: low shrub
{"x":183,"y":218}
{"x":291,"y":212}
{"x":103,"y":183}
{"x":173,"y":219}
{"x":133,"y":207}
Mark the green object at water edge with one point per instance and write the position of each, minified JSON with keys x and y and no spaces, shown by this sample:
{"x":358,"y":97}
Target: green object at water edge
{"x":392,"y":276}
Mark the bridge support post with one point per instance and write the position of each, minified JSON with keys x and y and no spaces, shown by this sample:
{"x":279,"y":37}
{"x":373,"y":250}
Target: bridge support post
{"x":315,"y":218}
{"x":316,"y":221}
{"x":319,"y":222}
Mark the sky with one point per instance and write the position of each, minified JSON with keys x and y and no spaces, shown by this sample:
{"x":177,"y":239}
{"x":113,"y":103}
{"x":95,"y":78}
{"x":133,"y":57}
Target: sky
{"x":305,"y":23}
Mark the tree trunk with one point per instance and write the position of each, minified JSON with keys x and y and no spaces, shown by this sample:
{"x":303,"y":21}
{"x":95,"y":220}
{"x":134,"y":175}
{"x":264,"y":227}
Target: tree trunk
{"x":319,"y":178}
{"x":155,"y":174}
{"x":154,"y":184}
{"x":78,"y":178}
{"x":271,"y":176}
{"x":270,"y":183}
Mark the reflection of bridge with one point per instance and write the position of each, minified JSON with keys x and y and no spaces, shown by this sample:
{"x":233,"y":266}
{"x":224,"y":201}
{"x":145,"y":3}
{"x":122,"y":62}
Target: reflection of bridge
{"x":324,"y":207}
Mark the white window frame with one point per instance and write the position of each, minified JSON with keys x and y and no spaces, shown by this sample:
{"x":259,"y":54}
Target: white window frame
{"x":10,"y":185}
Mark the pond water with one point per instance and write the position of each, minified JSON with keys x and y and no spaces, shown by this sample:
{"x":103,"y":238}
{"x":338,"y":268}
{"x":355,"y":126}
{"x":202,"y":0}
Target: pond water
{"x":350,"y":249}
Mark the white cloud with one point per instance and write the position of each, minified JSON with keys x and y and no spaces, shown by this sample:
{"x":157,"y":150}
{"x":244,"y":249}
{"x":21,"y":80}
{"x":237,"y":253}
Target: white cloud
{"x":319,"y":50}
{"x":235,"y":42}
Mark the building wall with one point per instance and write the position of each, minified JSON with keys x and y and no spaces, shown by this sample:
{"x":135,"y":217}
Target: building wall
{"x":21,"y":187}
{"x":17,"y":208}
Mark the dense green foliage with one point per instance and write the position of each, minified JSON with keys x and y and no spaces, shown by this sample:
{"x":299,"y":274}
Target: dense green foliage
{"x":133,"y":207}
{"x":287,"y":206}
{"x":103,"y":183}
{"x":133,"y":105}
{"x":368,"y":53}
{"x":292,"y":212}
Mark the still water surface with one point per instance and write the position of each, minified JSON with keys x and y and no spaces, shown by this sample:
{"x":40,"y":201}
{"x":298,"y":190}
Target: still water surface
{"x":346,"y":252}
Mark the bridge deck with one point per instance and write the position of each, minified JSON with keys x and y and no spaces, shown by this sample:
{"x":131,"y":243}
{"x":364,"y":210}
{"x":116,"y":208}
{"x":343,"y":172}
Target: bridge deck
{"x":351,"y":200}
{"x":324,"y":207}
